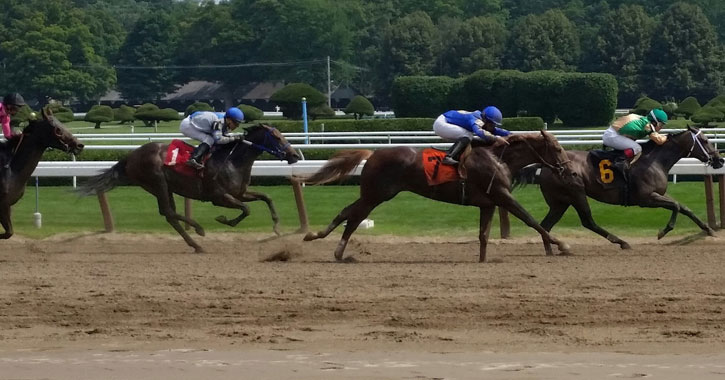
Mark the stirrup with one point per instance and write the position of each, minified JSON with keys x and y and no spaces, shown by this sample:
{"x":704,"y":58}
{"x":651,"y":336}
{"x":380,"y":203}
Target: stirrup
{"x":447,"y":160}
{"x":192,"y":162}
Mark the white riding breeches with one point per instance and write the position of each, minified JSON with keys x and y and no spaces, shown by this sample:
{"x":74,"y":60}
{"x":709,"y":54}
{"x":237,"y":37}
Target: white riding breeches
{"x":611,"y":138}
{"x":450,"y":131}
{"x":188,"y":130}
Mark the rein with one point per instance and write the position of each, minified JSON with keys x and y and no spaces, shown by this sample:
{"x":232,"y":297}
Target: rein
{"x":696,"y":140}
{"x":278,"y":150}
{"x":559,"y":165}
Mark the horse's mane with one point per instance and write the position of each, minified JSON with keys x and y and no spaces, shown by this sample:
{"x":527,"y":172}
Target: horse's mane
{"x":650,"y":145}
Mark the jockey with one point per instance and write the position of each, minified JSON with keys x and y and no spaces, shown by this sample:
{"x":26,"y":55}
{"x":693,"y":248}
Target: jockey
{"x":463,"y":126}
{"x":9,"y":107}
{"x":624,"y":131}
{"x":210,"y":128}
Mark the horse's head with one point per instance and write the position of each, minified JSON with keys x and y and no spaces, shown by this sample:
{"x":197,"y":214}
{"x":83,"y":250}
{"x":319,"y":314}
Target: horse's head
{"x":559,"y":160}
{"x":268,"y":139}
{"x":51,"y":133}
{"x":695,"y":143}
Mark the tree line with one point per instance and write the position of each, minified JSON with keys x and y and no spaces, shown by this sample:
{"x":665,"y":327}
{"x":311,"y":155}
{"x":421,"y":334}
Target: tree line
{"x":80,"y":49}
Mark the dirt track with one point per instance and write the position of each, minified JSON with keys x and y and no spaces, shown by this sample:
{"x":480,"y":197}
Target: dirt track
{"x":146,"y":292}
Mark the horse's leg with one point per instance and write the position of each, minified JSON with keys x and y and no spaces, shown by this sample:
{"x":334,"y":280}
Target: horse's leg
{"x":358,"y":211}
{"x":486,"y":214}
{"x":507,"y":201}
{"x":237,"y":202}
{"x":656,"y":200}
{"x":197,"y":227}
{"x":229,"y":201}
{"x":6,"y":222}
{"x":585,"y":216}
{"x":165,"y":209}
{"x":341,"y":217}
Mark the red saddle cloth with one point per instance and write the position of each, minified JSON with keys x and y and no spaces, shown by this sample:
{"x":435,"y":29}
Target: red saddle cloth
{"x":176,"y":156}
{"x":436,"y":172}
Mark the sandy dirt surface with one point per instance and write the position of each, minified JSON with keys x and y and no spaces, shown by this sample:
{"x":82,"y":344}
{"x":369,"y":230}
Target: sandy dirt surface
{"x":132,"y":305}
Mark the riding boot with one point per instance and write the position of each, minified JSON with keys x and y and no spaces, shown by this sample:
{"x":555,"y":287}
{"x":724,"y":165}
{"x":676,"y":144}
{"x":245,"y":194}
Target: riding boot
{"x":454,"y":153}
{"x":197,"y":156}
{"x":623,"y":166}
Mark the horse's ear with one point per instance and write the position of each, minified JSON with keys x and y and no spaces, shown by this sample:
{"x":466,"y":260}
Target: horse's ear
{"x":47,"y":113}
{"x":689,"y":128}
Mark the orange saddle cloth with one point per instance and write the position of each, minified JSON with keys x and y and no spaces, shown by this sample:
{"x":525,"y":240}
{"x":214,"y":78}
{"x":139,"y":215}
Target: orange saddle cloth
{"x":436,"y":172}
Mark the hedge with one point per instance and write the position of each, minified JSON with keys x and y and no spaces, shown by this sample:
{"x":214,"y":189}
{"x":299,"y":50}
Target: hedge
{"x":688,"y":107}
{"x":706,"y":115}
{"x":422,"y":96}
{"x":359,"y":106}
{"x":63,"y":114}
{"x":198,"y":106}
{"x":99,"y":114}
{"x":644,"y":104}
{"x":578,"y":99}
{"x":124,"y":114}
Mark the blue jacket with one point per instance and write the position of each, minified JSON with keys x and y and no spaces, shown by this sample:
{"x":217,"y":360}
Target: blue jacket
{"x":472,"y":121}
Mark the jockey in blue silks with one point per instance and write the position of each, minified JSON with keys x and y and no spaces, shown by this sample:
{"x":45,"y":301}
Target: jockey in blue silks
{"x":464,"y":126}
{"x":210,"y":128}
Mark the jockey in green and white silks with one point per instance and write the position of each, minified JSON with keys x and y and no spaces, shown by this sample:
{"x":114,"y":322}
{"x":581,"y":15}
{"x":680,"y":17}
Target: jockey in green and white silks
{"x":624,"y":131}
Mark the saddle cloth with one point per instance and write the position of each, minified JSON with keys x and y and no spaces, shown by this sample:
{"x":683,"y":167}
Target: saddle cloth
{"x":609,"y":176}
{"x":436,"y":172}
{"x":176,"y":156}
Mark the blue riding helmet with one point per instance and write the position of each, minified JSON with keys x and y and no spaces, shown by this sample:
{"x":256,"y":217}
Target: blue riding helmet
{"x":235,"y":114}
{"x":493,"y":115}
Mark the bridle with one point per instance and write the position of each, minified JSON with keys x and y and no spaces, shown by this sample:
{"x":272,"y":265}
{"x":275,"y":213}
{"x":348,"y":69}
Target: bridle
{"x":270,"y":144}
{"x":558,"y":166}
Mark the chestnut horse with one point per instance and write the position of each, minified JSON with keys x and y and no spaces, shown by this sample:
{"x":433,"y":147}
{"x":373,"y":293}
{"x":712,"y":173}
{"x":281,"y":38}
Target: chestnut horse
{"x":224,"y":179}
{"x":22,"y":156}
{"x":647,"y":184}
{"x":389,"y":171}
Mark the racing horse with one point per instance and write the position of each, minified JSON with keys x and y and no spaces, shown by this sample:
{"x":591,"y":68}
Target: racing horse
{"x":389,"y":171}
{"x":646,"y":187}
{"x":23,"y":152}
{"x":223,"y":181}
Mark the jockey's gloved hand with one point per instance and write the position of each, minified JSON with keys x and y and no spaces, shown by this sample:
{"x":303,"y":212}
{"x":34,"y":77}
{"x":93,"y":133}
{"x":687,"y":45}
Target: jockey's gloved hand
{"x":500,"y":138}
{"x":238,"y":137}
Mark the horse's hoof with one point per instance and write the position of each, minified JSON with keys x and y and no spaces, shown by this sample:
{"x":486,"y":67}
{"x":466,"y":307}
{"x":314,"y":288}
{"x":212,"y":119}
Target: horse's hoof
{"x":710,"y":232}
{"x":661,"y":234}
{"x":310,"y":236}
{"x":200,"y":231}
{"x":222,"y":219}
{"x":199,"y":250}
{"x":625,"y":245}
{"x":276,"y":231}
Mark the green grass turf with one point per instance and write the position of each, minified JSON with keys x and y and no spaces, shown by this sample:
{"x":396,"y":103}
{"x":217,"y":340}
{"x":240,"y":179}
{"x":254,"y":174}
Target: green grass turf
{"x":407,"y":214}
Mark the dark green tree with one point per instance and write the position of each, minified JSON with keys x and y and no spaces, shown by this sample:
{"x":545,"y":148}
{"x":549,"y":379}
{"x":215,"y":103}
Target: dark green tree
{"x":289,"y":98}
{"x":684,"y":57}
{"x":544,"y":42}
{"x":142,"y":57}
{"x":99,"y":114}
{"x":470,"y":45}
{"x":688,"y":107}
{"x":621,"y":48}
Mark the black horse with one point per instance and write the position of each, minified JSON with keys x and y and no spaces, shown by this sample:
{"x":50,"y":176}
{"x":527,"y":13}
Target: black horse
{"x":23,"y":152}
{"x":646,"y":187}
{"x":223,"y":182}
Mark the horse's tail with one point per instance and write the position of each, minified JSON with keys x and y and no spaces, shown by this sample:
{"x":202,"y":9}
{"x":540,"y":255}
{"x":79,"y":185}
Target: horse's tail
{"x":337,"y":167}
{"x":105,"y":181}
{"x":527,"y":175}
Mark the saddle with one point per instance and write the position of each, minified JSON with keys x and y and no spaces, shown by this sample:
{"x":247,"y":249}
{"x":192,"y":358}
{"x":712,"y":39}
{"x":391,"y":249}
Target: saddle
{"x":178,"y":153}
{"x":609,"y":176}
{"x":436,"y":172}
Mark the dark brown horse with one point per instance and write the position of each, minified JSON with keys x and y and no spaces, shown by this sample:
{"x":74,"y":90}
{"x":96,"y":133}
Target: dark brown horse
{"x":24,"y":153}
{"x":225,"y":179}
{"x":647,"y":184}
{"x":488,"y":184}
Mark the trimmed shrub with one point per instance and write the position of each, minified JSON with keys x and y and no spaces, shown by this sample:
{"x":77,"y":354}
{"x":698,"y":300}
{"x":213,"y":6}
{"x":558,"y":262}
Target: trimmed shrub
{"x":360,"y":106}
{"x":289,"y":98}
{"x":589,"y":99}
{"x":99,"y":114}
{"x":320,"y":111}
{"x":251,"y":113}
{"x":63,"y":114}
{"x":706,"y":115}
{"x":644,"y":104}
{"x":198,"y":106}
{"x":497,"y":88}
{"x":670,"y":109}
{"x":422,"y":96}
{"x":688,"y":107}
{"x":153,"y":116}
{"x":716,"y":101}
{"x":124,"y":114}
